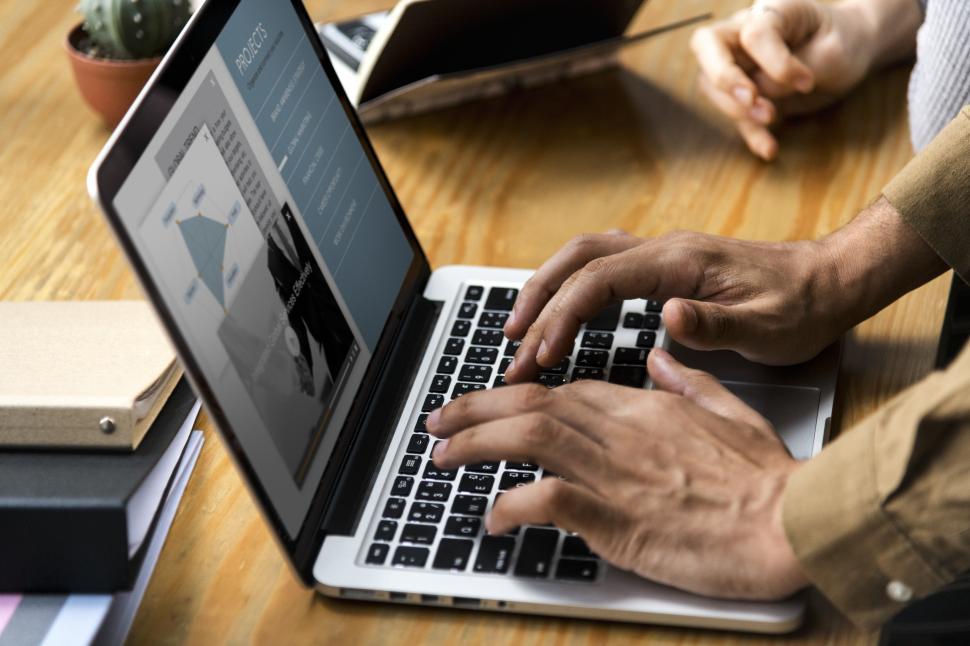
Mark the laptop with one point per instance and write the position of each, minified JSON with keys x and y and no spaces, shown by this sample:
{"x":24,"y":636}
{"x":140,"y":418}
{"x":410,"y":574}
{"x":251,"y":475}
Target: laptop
{"x":255,"y":213}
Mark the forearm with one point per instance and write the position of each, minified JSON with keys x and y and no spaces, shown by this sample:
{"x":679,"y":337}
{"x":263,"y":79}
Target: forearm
{"x":889,"y":26}
{"x":876,"y":259}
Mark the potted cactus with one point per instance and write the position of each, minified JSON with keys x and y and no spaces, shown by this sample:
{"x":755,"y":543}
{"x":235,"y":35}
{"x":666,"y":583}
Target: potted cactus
{"x":119,"y":44}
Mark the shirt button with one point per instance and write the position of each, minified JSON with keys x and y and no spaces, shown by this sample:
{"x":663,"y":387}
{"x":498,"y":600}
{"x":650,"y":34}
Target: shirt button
{"x":899,"y":591}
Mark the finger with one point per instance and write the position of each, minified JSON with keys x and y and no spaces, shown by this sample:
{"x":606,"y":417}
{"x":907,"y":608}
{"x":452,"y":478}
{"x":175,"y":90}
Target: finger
{"x":531,"y":437}
{"x":657,"y":268}
{"x":565,"y":505}
{"x":761,"y":111}
{"x":700,"y":387}
{"x":703,"y":326}
{"x":503,"y":403}
{"x":713,"y":48}
{"x":544,"y":283}
{"x":762,"y":37}
{"x":758,"y":139}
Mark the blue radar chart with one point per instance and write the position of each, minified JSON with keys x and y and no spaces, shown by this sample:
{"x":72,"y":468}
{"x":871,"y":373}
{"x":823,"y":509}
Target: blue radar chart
{"x":206,"y":241}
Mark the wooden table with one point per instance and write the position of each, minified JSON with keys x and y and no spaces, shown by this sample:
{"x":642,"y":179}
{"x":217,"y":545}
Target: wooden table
{"x":504,"y":182}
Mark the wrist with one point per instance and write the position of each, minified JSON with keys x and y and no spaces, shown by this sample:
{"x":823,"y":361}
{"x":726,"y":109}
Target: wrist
{"x":885,"y":29}
{"x":784,"y":564}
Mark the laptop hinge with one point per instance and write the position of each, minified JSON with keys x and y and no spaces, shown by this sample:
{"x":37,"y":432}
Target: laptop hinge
{"x":383,"y":412}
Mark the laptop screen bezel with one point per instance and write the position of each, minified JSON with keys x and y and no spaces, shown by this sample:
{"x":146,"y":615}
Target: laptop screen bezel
{"x":113,"y":168}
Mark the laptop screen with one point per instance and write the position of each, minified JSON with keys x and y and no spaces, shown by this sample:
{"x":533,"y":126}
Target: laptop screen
{"x":272,"y":243}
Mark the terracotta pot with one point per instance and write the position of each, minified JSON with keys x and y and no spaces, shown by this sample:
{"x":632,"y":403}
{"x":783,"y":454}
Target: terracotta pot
{"x":108,"y":86}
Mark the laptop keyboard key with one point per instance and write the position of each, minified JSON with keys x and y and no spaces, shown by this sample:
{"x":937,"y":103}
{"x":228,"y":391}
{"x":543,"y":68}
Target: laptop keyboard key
{"x":394,"y":508}
{"x":434,"y":491}
{"x":575,"y":546}
{"x":491,"y":338}
{"x":521,"y":466}
{"x":499,"y":382}
{"x":432,"y":402}
{"x":511,"y":348}
{"x":607,"y":320}
{"x":592,"y":358}
{"x":410,"y":465}
{"x":410,"y":556}
{"x":482,"y":467}
{"x":469,"y":505}
{"x":467,"y":311}
{"x":595,"y":374}
{"x":494,"y":554}
{"x":463,"y":526}
{"x":385,"y":531}
{"x":454,"y":346}
{"x":654,"y":306}
{"x":377,"y":553}
{"x":420,"y":426}
{"x":461,"y":327}
{"x":475,"y":374}
{"x":447,"y":365}
{"x":503,"y":365}
{"x":633,"y":321}
{"x":501,"y":298}
{"x":646,"y":339}
{"x":453,"y":554}
{"x":440,"y":384}
{"x":597,"y":340}
{"x":485,"y":356}
{"x":493,"y":320}
{"x":474,"y":293}
{"x":418,"y":444}
{"x":630,"y":356}
{"x":513,"y":479}
{"x":426,"y":512}
{"x":476,"y":483}
{"x":538,"y":548}
{"x":431,"y":472}
{"x":402,"y":486}
{"x":651,"y":321}
{"x":576,"y":570}
{"x":633,"y":376}
{"x":420,"y":534}
{"x":551,"y":381}
{"x":464,"y":389}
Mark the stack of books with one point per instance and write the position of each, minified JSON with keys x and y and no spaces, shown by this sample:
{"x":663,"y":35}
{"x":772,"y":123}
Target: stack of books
{"x":96,"y":449}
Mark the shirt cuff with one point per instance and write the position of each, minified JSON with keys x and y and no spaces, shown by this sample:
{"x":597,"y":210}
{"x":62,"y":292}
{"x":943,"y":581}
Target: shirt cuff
{"x":847,"y":545}
{"x":932,"y":193}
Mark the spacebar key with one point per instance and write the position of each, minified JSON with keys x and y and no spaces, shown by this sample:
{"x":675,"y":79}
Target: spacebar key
{"x":538,"y":548}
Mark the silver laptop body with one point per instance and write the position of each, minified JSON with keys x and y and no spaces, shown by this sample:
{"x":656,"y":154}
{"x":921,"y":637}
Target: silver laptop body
{"x":249,"y":201}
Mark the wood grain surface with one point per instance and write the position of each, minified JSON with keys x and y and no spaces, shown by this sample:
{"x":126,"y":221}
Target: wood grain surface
{"x":504,"y":182}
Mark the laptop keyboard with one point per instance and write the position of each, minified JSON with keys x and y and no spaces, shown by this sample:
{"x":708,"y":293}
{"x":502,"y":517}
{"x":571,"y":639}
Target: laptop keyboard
{"x":434,"y":518}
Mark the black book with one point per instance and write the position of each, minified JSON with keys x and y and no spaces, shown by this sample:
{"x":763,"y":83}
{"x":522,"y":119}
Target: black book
{"x":78,"y":522}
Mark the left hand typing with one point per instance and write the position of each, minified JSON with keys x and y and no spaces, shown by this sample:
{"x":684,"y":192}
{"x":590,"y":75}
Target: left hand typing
{"x":682,"y":486}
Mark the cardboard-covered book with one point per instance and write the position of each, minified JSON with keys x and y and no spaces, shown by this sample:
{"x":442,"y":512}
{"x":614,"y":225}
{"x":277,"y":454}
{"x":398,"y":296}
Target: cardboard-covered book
{"x":429,"y":54}
{"x":82,"y":374}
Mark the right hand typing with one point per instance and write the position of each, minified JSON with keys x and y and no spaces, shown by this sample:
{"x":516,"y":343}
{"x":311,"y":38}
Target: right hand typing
{"x":779,"y":58}
{"x":775,"y":303}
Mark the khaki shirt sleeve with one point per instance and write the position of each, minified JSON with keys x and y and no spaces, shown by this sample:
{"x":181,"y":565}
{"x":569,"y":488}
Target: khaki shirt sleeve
{"x":883,"y":514}
{"x":933,"y":194}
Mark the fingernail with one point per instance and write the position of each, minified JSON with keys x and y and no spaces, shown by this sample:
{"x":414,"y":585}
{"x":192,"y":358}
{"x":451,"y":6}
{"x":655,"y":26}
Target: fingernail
{"x":743,"y":95}
{"x":760,"y":113}
{"x":439,"y":449}
{"x":542,"y":349}
{"x":511,"y":319}
{"x":433,"y":419}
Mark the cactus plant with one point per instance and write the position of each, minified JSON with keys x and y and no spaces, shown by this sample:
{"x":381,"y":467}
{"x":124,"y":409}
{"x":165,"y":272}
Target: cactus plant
{"x":133,"y":29}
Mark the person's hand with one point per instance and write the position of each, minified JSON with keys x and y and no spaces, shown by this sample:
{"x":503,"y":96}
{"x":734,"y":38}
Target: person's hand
{"x":774,"y":303}
{"x":682,"y":487}
{"x":782,"y":57}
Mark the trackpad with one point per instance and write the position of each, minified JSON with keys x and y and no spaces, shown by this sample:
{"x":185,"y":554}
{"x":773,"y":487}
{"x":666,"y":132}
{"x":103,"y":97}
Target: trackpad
{"x":792,"y":410}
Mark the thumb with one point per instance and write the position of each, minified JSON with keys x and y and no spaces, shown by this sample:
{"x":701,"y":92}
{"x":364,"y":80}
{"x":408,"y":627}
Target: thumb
{"x":700,"y":387}
{"x":702,"y":326}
